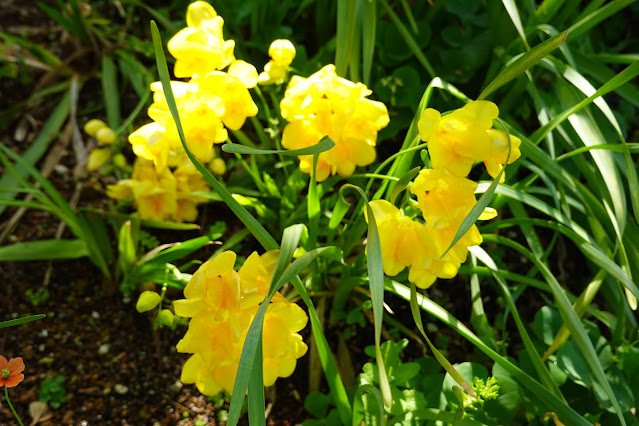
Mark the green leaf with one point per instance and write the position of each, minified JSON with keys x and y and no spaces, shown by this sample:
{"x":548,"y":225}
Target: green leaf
{"x":110,"y":91}
{"x":40,"y":145}
{"x":402,"y":183}
{"x":571,"y":319}
{"x":344,"y":42}
{"x":540,"y":368}
{"x":253,"y":336}
{"x":323,"y":145}
{"x":316,"y":403}
{"x":522,"y":63}
{"x":409,"y":39}
{"x":126,"y":247}
{"x":379,"y":400}
{"x":587,"y":23}
{"x":376,"y":285}
{"x":454,"y":374}
{"x":368,"y":17}
{"x":511,"y":8}
{"x":19,"y":321}
{"x":44,"y":250}
{"x":564,"y":411}
{"x":245,"y":217}
{"x":620,"y":79}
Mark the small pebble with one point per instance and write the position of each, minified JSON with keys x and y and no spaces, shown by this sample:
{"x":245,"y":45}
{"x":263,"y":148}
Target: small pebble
{"x":121,"y":389}
{"x":95,"y":315}
{"x":104,"y":349}
{"x":44,"y":333}
{"x":176,"y":387}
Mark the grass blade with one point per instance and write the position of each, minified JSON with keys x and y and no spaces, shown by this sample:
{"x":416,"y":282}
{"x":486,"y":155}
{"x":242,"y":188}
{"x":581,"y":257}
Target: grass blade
{"x":564,"y":411}
{"x":522,"y":63}
{"x":44,"y":250}
{"x":19,"y":321}
{"x":323,"y":145}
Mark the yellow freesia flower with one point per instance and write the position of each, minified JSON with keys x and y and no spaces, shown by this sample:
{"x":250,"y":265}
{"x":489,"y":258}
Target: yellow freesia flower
{"x":154,"y":191}
{"x":201,"y":48}
{"x":149,"y":142}
{"x":236,"y":100}
{"x":282,"y":53}
{"x":404,"y":241}
{"x":408,"y":243}
{"x":200,"y":113}
{"x":457,"y":140}
{"x":443,"y":198}
{"x":325,"y":104}
{"x":221,"y":304}
{"x":188,"y":180}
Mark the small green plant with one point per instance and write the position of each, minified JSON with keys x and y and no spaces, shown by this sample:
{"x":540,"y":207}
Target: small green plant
{"x":52,"y":391}
{"x":37,"y":297}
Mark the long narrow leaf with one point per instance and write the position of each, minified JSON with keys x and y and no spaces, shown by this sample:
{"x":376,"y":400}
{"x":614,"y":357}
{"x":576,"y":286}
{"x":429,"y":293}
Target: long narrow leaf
{"x":564,"y":411}
{"x":522,"y":63}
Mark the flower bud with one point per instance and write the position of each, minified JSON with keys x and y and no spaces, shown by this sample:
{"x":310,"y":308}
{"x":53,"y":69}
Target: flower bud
{"x":119,"y":161}
{"x":147,"y":301}
{"x":92,"y":126}
{"x":282,"y":52}
{"x":217,"y":166}
{"x":165,"y":317}
{"x":106,"y":136}
{"x":97,"y":158}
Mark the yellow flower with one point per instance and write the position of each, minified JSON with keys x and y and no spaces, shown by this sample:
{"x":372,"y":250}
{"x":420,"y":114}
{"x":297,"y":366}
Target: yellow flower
{"x":282,"y":345}
{"x":325,"y":104}
{"x":404,"y":242}
{"x":457,"y":140}
{"x":237,"y":102}
{"x":200,"y":114}
{"x":201,"y":48}
{"x":445,"y":199}
{"x":245,"y":72}
{"x":149,"y":142}
{"x":153,"y":191}
{"x":222,"y":303}
{"x":215,"y":286}
{"x":282,"y":52}
{"x":189,"y":180}
{"x":408,"y":243}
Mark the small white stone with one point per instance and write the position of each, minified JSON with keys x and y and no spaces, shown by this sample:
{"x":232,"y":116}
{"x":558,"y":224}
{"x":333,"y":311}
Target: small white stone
{"x":121,"y":389}
{"x":104,"y":349}
{"x":95,"y":315}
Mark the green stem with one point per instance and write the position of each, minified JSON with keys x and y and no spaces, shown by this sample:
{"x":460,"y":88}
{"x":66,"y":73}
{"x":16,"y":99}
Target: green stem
{"x":6,"y":395}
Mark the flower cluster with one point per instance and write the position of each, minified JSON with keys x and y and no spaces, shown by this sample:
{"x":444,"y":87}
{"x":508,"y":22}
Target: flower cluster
{"x":105,"y":137}
{"x":444,"y":195}
{"x":282,"y":53}
{"x":325,"y":104}
{"x":162,"y":194}
{"x":211,"y":102}
{"x":221,"y":303}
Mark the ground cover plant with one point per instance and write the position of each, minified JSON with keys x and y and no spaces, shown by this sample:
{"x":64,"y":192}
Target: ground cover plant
{"x":351,"y":212}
